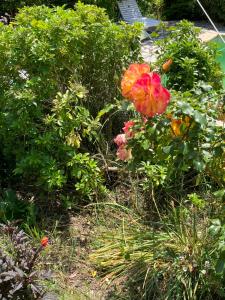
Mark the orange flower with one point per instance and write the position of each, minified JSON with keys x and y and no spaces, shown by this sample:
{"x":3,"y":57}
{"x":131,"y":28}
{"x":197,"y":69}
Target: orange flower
{"x":167,"y":64}
{"x":177,"y":123}
{"x":149,"y":96}
{"x":44,"y":241}
{"x":131,"y":75}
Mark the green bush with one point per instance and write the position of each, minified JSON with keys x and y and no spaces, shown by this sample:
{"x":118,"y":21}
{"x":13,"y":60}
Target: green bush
{"x":46,"y":128}
{"x":180,"y":9}
{"x":178,"y":149}
{"x":190,"y":9}
{"x":148,"y":7}
{"x":193,"y":60}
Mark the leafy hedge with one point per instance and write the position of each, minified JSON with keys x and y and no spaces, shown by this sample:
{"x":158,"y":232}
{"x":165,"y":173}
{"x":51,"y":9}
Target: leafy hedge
{"x":189,"y":9}
{"x":111,"y":7}
{"x":47,"y":56}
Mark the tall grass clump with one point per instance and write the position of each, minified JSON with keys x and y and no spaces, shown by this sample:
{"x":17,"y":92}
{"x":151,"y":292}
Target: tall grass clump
{"x":174,"y":258}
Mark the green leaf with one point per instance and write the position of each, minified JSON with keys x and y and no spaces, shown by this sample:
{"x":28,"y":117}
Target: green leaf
{"x":199,"y":165}
{"x":200,"y":118}
{"x":220,"y":266}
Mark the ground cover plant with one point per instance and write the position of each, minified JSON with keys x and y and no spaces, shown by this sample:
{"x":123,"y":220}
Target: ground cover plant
{"x":18,"y":277}
{"x":175,"y":258}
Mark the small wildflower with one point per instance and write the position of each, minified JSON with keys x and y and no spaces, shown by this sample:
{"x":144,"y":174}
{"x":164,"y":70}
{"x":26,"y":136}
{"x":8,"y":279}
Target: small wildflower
{"x":44,"y":241}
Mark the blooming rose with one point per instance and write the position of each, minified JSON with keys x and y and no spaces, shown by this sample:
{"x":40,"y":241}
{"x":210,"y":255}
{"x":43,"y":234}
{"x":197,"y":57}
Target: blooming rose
{"x":123,"y":153}
{"x":131,"y":75}
{"x":120,"y":139}
{"x":127,"y":128}
{"x":144,"y":89}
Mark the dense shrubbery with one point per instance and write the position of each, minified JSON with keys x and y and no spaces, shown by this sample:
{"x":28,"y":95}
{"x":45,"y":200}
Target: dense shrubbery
{"x":46,"y":131}
{"x":111,"y":7}
{"x":189,"y":9}
{"x":193,"y":60}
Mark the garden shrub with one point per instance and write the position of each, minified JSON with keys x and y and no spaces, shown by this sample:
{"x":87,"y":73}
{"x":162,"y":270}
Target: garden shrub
{"x":190,"y":10}
{"x":192,"y":60}
{"x":47,"y":130}
{"x":180,"y":9}
{"x":176,"y":149}
{"x":148,"y":7}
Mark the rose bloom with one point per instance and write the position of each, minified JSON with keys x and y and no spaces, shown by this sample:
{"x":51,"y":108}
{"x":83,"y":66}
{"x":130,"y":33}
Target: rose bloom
{"x":166,"y":66}
{"x":177,"y":123}
{"x":149,"y":96}
{"x":120,"y":139}
{"x":123,"y":153}
{"x":127,"y":128}
{"x":144,"y":89}
{"x":131,"y":75}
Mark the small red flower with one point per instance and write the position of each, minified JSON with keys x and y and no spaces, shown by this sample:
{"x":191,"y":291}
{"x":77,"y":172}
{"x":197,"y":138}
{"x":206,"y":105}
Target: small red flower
{"x":127,"y":128}
{"x":44,"y":241}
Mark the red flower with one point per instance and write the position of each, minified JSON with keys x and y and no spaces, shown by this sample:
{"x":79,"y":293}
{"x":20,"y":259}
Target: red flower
{"x":127,"y":128}
{"x":44,"y":241}
{"x":149,"y":96}
{"x":131,"y":75}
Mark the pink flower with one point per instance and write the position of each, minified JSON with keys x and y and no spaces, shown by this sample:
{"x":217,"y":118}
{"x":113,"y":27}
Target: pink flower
{"x":149,"y":96}
{"x":127,"y":128}
{"x":120,"y":139}
{"x":123,"y":153}
{"x":144,"y":89}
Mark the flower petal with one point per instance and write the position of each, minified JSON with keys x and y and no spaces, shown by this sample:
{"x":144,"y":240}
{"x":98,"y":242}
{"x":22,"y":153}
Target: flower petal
{"x":149,"y":96}
{"x":131,"y":75}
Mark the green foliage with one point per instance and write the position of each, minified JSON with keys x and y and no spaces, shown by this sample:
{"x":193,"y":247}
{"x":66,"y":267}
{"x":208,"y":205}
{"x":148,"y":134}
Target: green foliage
{"x":177,"y":261}
{"x":215,"y":9}
{"x":217,"y":230}
{"x":180,"y":9}
{"x":47,"y":130}
{"x":19,"y":278}
{"x":148,"y":8}
{"x":189,"y":9}
{"x":193,"y":60}
{"x":181,"y":147}
{"x":13,"y":208}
